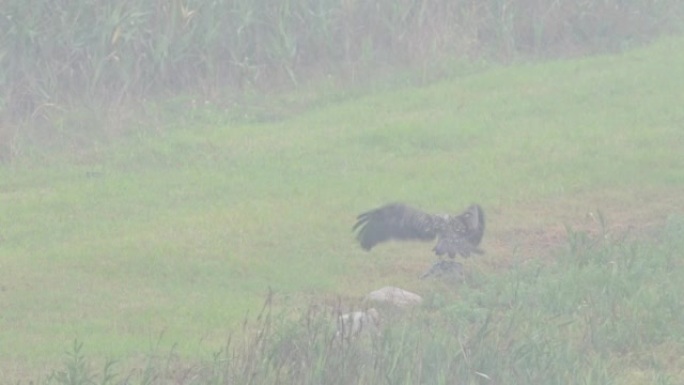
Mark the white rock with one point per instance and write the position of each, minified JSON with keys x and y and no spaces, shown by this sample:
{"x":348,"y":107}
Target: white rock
{"x":394,"y":296}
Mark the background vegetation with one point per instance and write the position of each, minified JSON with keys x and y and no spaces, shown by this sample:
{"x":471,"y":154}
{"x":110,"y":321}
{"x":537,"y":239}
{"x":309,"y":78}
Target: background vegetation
{"x":69,"y":67}
{"x":169,"y":165}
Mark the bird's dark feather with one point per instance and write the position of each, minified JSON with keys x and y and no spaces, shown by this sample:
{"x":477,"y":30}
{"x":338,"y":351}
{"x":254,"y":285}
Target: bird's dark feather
{"x":394,"y":221}
{"x":455,"y":233}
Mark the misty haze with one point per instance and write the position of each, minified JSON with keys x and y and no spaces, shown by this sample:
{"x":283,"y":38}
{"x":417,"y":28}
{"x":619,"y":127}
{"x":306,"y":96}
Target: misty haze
{"x":342,"y":192}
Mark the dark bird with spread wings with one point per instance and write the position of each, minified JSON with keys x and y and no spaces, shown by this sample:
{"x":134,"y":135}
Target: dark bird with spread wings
{"x":460,"y":233}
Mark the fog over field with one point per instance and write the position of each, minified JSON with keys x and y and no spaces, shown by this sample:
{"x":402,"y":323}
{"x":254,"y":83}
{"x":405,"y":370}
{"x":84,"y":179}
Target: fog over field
{"x":341,"y":192}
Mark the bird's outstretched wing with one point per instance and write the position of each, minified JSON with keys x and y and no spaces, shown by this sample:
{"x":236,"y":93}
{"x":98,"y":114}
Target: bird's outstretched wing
{"x":462,"y":233}
{"x":475,"y":219}
{"x":396,"y":221}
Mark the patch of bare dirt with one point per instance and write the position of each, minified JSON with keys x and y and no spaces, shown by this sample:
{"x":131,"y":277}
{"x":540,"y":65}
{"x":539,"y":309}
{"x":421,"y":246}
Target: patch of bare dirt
{"x":538,"y":229}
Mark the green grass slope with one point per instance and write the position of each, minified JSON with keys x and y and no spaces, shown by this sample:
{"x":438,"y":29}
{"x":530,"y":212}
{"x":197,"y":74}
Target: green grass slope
{"x":181,"y":233}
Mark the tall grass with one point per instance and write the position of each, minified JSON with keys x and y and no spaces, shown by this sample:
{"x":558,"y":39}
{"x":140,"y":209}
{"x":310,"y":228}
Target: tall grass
{"x":58,"y":57}
{"x":603,"y":312}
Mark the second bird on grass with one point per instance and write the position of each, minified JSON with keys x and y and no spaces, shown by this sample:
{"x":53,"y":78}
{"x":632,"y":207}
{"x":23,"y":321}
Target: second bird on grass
{"x":456,"y":234}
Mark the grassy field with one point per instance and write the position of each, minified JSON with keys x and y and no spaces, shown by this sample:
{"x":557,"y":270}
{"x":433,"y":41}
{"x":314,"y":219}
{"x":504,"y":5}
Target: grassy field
{"x":166,"y":239}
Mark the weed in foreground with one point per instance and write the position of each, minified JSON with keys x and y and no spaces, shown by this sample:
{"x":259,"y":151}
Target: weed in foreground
{"x":77,"y":370}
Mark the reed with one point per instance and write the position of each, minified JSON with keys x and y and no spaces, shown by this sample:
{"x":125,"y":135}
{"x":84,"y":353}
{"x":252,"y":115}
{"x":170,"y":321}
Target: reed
{"x":58,"y":57}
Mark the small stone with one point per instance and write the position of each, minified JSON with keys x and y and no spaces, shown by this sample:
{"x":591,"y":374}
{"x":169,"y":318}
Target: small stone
{"x":444,"y":269}
{"x":354,"y":323}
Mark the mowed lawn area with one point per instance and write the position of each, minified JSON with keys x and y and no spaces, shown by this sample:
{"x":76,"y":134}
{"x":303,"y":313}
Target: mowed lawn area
{"x":167,"y":239}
